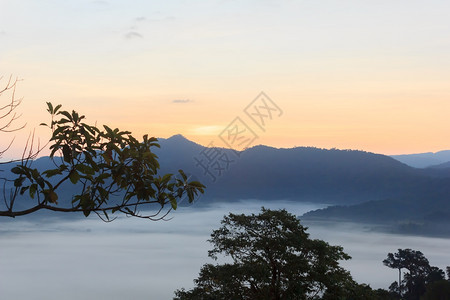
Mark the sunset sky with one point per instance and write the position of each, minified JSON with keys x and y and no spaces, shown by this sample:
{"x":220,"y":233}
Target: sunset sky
{"x":366,"y":75}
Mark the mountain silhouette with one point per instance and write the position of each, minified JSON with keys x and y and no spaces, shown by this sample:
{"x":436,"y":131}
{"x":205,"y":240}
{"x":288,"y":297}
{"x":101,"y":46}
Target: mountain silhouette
{"x":301,"y":173}
{"x":424,"y":160}
{"x":360,"y":186}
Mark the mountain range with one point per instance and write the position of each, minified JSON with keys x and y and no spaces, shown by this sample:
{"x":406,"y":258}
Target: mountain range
{"x":424,"y":160}
{"x":358,"y":186}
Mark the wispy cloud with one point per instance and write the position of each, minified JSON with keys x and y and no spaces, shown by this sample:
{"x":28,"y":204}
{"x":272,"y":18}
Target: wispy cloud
{"x":100,"y":2}
{"x":140,"y":19}
{"x":182,"y":101}
{"x":133,"y":35}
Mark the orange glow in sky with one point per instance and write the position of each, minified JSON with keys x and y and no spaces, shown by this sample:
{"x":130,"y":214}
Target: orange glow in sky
{"x":351,"y":75}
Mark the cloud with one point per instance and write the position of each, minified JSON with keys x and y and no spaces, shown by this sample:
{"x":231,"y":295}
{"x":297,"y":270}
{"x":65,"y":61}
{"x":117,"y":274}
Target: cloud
{"x":72,"y":247}
{"x":182,"y":101}
{"x":100,"y":2}
{"x":140,"y":19}
{"x":133,"y":35}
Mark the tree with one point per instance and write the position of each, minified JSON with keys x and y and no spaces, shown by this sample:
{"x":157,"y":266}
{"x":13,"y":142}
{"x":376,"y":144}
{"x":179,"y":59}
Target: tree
{"x":419,"y":274}
{"x":110,"y":170}
{"x":272,"y":257}
{"x":438,"y":290}
{"x":386,"y":295}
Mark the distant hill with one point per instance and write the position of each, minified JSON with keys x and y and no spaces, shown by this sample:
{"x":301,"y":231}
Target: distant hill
{"x":445,"y":165}
{"x":302,"y":173}
{"x":363,"y":186}
{"x":421,"y":215}
{"x":424,"y":160}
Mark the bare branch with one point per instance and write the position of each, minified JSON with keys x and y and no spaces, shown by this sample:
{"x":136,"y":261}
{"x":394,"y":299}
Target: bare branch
{"x":7,"y":111}
{"x":8,"y":118}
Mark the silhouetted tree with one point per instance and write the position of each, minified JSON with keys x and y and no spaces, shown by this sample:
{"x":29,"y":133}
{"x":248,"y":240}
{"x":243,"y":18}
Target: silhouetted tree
{"x":395,"y":261}
{"x":110,"y":169}
{"x":419,"y":274}
{"x":272,"y":258}
{"x":437,"y":290}
{"x":383,"y":294}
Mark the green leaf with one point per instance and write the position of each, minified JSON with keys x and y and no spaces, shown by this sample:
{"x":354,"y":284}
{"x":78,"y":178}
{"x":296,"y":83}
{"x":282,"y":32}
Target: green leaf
{"x":33,"y":189}
{"x":183,"y":174}
{"x":35,"y":174}
{"x":17,"y":170}
{"x":67,"y":153}
{"x":101,"y":178}
{"x":63,"y":120}
{"x":59,"y":129}
{"x":66,"y":114}
{"x":85,"y":169}
{"x":165,"y":179}
{"x":103,"y":193}
{"x":51,"y":196}
{"x":180,"y":192}
{"x":57,"y":108}
{"x":50,"y":107}
{"x":197,"y":185}
{"x":74,"y":176}
{"x":108,"y":130}
{"x":190,"y":195}
{"x":173,"y":202}
{"x":24,"y":189}
{"x":19,"y":181}
{"x":52,"y":172}
{"x":41,"y":182}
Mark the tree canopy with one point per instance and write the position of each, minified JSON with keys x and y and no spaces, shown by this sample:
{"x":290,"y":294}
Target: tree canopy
{"x":419,"y":273}
{"x":110,"y":170}
{"x":272,"y":257}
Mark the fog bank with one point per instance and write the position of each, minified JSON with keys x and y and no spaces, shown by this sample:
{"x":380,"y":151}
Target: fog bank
{"x":139,"y":259}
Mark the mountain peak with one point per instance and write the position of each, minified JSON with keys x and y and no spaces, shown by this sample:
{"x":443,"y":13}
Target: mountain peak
{"x":177,"y":137}
{"x":177,"y":141}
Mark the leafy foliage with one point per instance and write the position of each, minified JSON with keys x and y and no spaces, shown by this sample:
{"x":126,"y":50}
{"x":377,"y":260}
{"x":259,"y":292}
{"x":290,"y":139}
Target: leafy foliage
{"x":112,"y":170}
{"x":272,"y":258}
{"x":438,"y":290}
{"x":419,"y":275}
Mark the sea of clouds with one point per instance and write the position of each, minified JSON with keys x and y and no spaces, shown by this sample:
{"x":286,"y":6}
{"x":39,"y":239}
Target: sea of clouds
{"x":139,"y":259}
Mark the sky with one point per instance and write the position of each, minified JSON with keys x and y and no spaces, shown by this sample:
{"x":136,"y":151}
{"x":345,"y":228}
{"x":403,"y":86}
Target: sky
{"x":364,"y":75}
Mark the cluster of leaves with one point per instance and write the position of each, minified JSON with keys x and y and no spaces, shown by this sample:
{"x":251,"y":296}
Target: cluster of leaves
{"x":113,"y":171}
{"x":420,"y":279}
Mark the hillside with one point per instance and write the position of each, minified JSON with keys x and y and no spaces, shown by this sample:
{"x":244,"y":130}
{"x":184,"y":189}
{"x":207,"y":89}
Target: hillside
{"x":365,"y":187}
{"x":303,"y":173}
{"x":424,"y":160}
